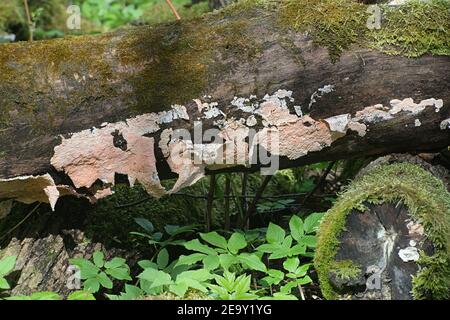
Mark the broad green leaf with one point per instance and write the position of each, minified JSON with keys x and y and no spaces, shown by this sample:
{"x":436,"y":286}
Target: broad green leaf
{"x":115,"y":263}
{"x":174,"y":230}
{"x":193,"y":283}
{"x":199,"y":275}
{"x":190,"y":259}
{"x":87,"y":268}
{"x":211,"y":262}
{"x":195,"y":245}
{"x":99,"y":258}
{"x":4,"y":284}
{"x":146,"y":264}
{"x":287,"y":242}
{"x":291,"y":264}
{"x":122,"y":273}
{"x":156,"y":277}
{"x":163,"y":258}
{"x":179,"y":289}
{"x":215,"y":239}
{"x":236,"y":242}
{"x":269,"y":248}
{"x":81,"y":295}
{"x":104,"y":280}
{"x":7,"y":264}
{"x":92,"y":285}
{"x":227,"y":260}
{"x":275,"y":234}
{"x":296,"y":227}
{"x":252,"y":261}
{"x":276,"y":274}
{"x":312,"y":222}
{"x":302,"y":270}
{"x":296,"y":250}
{"x":309,"y":241}
{"x":145,"y":224}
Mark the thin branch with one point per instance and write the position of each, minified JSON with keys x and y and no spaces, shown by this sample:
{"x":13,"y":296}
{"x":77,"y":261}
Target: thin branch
{"x":174,"y":10}
{"x":252,"y":208}
{"x":302,"y":294}
{"x":227,"y":201}
{"x":30,"y":22}
{"x":209,"y":203}
{"x":320,"y":182}
{"x":21,"y":221}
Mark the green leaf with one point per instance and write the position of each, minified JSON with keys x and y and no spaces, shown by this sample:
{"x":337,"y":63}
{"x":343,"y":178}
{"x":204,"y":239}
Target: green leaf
{"x":99,"y":258}
{"x":253,"y":262}
{"x":215,"y":239}
{"x":92,"y":285}
{"x":275,"y":234}
{"x":269,"y":248}
{"x":81,"y":295}
{"x":87,"y":268}
{"x":179,"y":289}
{"x":296,"y":227}
{"x":280,"y":296}
{"x":227,"y":260}
{"x":236,"y":242}
{"x":104,"y":280}
{"x":146,"y":264}
{"x":145,"y":224}
{"x":156,"y":277}
{"x":296,"y":250}
{"x":190,"y":259}
{"x":199,"y":275}
{"x":115,"y":263}
{"x":211,"y":262}
{"x":291,"y":264}
{"x":7,"y":264}
{"x":309,"y":241}
{"x":195,"y":245}
{"x":4,"y":284}
{"x":312,"y":222}
{"x":163,"y":258}
{"x":122,"y":273}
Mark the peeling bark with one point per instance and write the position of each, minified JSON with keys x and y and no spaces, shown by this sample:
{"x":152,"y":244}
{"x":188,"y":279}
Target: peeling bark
{"x":76,"y":112}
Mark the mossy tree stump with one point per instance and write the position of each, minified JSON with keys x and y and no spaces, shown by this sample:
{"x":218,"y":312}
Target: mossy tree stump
{"x":387,"y":237}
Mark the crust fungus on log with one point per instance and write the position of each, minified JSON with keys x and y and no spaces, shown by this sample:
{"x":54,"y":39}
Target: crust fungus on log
{"x":78,"y":111}
{"x":387,"y":236}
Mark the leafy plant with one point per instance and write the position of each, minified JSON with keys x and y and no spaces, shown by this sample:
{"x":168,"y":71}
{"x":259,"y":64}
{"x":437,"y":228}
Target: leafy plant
{"x":98,"y":272}
{"x":220,"y":252}
{"x":230,"y":287}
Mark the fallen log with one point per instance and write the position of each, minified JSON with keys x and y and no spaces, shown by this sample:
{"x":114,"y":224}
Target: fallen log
{"x":388,"y":236}
{"x":78,"y":114}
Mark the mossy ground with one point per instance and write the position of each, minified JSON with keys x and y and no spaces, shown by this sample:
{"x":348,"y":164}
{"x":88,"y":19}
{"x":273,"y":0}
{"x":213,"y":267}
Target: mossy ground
{"x":411,"y":30}
{"x":427,"y":201}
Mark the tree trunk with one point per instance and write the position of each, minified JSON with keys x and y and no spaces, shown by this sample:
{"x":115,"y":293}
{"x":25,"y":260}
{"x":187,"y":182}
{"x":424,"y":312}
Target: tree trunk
{"x":387,"y":236}
{"x":79,"y":113}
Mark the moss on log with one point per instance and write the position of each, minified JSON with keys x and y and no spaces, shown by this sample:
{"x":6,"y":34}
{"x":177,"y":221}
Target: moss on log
{"x":392,"y":194}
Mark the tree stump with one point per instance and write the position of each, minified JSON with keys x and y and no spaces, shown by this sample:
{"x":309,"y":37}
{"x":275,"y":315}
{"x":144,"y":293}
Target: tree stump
{"x":388,"y":236}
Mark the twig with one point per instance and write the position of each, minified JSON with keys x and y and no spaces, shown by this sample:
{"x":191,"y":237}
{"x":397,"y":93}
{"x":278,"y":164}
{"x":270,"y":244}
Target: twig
{"x":227,"y":201}
{"x":320,"y":182}
{"x":252,"y":208}
{"x":30,"y":22}
{"x":302,"y":294}
{"x":243,"y":196}
{"x":21,"y":221}
{"x":209,"y":203}
{"x":172,"y":7}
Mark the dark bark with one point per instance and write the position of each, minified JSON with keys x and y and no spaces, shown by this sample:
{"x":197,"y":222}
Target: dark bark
{"x":54,"y":88}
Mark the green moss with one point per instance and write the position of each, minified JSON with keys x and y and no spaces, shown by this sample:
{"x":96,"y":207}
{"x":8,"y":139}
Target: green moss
{"x":427,"y":201}
{"x":412,"y":30}
{"x":345,"y":269}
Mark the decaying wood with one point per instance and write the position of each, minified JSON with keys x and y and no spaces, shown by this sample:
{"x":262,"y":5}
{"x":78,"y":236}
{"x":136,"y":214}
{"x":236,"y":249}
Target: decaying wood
{"x":77,"y":113}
